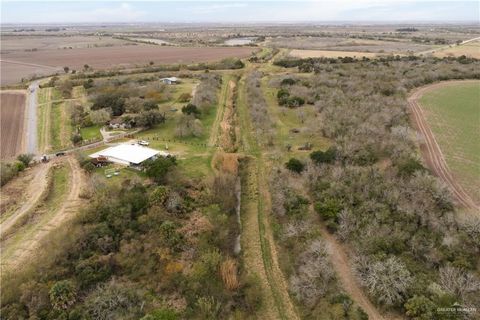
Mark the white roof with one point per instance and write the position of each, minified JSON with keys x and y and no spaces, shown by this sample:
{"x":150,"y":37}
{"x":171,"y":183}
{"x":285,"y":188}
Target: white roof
{"x":132,"y":153}
{"x":170,"y":78}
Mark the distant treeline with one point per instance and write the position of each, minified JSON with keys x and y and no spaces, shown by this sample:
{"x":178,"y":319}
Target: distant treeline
{"x":311,"y":64}
{"x":409,"y":29}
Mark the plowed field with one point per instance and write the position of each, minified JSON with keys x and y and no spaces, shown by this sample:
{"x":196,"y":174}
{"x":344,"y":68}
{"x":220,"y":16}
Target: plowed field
{"x":12,"y":113}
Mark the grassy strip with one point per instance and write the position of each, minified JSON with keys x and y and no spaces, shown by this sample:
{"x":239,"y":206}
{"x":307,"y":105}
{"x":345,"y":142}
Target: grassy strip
{"x":222,"y":102}
{"x":42,"y":114}
{"x":251,"y":147}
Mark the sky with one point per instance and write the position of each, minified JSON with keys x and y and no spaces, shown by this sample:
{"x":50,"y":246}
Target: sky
{"x":239,"y":11}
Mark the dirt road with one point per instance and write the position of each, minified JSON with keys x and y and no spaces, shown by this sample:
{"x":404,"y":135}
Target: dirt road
{"x":343,"y":270}
{"x":29,"y":245}
{"x":31,"y":196}
{"x":431,"y":150}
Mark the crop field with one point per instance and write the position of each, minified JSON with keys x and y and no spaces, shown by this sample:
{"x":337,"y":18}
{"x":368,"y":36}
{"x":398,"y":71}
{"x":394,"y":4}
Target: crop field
{"x":12,"y":43}
{"x":330,"y":54}
{"x":12,"y":72}
{"x":107,"y":57}
{"x":452,"y":112}
{"x":12,"y":111}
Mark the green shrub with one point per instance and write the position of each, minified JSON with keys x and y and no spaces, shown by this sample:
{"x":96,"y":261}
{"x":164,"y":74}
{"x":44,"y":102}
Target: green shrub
{"x":420,"y":308}
{"x":157,"y":169}
{"x":63,"y":295}
{"x":323,"y":156}
{"x":288,"y":81}
{"x":295,"y":165}
{"x":161,"y":314}
{"x":191,"y":109}
{"x":409,"y":167}
{"x":25,"y":158}
{"x":328,"y":208}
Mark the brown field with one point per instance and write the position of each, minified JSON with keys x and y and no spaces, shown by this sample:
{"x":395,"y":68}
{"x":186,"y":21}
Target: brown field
{"x":25,"y":43}
{"x":107,"y":57}
{"x":12,"y":111}
{"x":14,"y":72}
{"x":330,"y":54}
{"x":471,"y":49}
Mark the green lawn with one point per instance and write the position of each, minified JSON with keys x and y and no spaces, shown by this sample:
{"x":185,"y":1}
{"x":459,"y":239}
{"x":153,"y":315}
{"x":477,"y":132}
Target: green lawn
{"x":91,"y":133}
{"x":453,"y":114}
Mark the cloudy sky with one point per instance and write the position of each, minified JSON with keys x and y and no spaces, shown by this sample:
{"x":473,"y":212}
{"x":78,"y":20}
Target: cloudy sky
{"x":238,"y":11}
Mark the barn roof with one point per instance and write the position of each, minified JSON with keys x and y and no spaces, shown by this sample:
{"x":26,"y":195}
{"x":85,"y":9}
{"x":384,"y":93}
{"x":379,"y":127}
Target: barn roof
{"x":132,"y":153}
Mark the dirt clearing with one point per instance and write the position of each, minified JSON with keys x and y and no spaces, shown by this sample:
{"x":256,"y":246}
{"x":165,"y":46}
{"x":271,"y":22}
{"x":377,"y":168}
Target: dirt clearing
{"x":12,"y":119}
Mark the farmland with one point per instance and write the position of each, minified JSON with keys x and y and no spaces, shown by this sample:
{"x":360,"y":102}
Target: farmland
{"x":12,"y":111}
{"x":294,"y":188}
{"x":109,"y":57}
{"x":452,"y":111}
{"x":330,"y":54}
{"x":471,"y":49}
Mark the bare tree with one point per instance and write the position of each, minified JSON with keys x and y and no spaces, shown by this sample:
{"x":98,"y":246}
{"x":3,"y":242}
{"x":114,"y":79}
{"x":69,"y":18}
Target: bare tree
{"x":458,"y":281}
{"x":387,"y":281}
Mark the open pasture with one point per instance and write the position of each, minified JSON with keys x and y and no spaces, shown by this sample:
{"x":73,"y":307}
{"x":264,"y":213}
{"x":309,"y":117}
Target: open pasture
{"x":452,"y":111}
{"x":12,"y":112}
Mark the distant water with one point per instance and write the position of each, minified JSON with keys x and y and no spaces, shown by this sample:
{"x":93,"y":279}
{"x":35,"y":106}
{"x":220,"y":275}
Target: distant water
{"x":239,"y":41}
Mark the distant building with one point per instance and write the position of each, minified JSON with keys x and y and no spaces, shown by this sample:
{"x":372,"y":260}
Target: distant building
{"x":128,"y":154}
{"x":170,"y":80}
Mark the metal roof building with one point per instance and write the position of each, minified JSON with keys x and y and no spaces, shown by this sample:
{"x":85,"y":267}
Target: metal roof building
{"x":129,"y":154}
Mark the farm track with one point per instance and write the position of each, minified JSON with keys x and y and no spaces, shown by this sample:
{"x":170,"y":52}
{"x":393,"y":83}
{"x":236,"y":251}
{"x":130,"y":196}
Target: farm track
{"x":342,"y":266}
{"x":70,"y":204}
{"x":431,"y":150}
{"x":32,"y":195}
{"x":260,"y":254}
{"x":222,"y":102}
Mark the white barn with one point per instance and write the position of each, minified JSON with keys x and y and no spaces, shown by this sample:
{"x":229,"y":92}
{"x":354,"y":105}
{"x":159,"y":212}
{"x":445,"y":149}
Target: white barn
{"x":129,"y":154}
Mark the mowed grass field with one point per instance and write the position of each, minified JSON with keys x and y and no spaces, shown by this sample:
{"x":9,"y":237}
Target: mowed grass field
{"x":453,"y":113}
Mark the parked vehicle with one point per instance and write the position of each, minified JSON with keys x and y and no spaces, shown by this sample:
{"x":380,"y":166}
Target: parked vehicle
{"x":143,"y":142}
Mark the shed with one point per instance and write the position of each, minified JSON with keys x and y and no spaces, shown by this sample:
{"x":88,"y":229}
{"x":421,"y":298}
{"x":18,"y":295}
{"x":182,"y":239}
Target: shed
{"x":170,"y":80}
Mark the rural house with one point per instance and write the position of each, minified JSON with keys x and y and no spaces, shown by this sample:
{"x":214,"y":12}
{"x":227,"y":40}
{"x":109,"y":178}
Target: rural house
{"x":170,"y":80}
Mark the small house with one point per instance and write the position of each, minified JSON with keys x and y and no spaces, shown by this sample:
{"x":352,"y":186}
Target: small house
{"x":170,"y":80}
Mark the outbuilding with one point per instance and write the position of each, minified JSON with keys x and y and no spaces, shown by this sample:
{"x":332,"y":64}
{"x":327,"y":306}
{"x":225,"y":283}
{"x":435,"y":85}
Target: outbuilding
{"x":170,"y":80}
{"x":129,"y":154}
